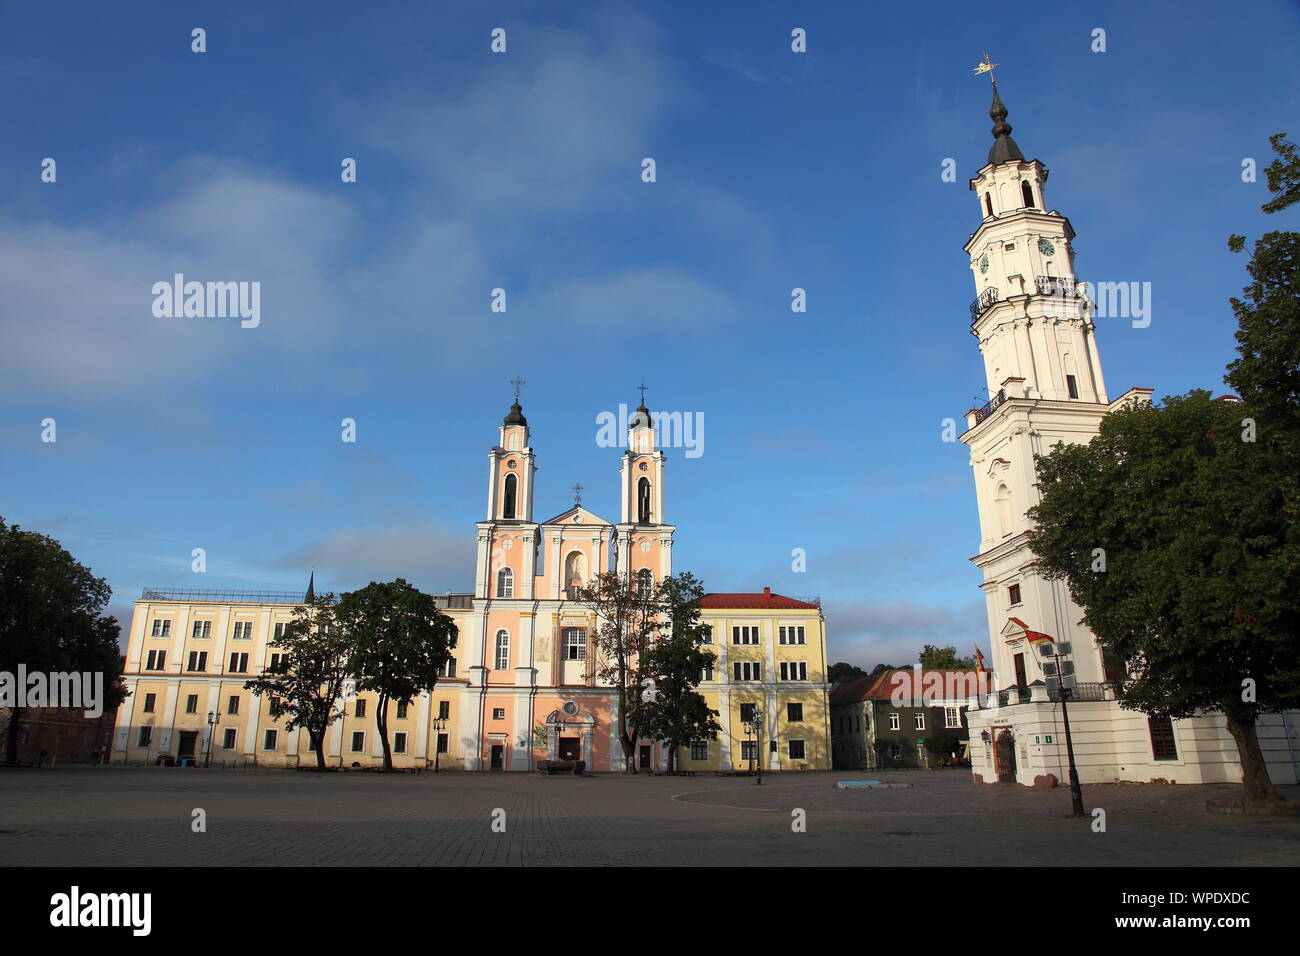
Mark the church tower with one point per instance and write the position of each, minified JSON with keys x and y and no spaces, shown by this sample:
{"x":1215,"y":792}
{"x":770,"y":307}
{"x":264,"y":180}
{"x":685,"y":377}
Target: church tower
{"x":507,"y":537}
{"x":1037,"y":337}
{"x":643,"y":538}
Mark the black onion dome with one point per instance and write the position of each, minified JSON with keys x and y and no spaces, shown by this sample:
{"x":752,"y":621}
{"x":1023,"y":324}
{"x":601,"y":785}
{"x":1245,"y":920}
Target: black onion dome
{"x":1004,"y":149}
{"x":516,"y":416}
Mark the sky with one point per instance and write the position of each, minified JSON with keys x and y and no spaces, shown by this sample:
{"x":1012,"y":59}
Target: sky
{"x":522,"y":171}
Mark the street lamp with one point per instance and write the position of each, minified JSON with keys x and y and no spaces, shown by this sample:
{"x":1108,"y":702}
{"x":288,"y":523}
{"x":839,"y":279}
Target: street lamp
{"x":1066,"y":682}
{"x":213,"y":719}
{"x":439,"y":723}
{"x":755,"y":726}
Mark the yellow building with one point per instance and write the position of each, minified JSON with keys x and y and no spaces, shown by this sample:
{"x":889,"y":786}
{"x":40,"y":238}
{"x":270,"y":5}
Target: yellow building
{"x":520,"y":688}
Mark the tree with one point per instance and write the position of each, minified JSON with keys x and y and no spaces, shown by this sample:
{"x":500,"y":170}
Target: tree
{"x":842,"y":673}
{"x":676,"y":713}
{"x":51,"y":618}
{"x":305,"y":686}
{"x":627,"y":618}
{"x":399,"y":644}
{"x":882,"y":668}
{"x":1171,"y":534}
{"x":944,"y":659}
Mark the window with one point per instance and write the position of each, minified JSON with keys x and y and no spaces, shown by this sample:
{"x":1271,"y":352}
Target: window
{"x":643,"y":501}
{"x":706,"y":673}
{"x":508,"y":505}
{"x":699,"y":750}
{"x":498,"y":713}
{"x":893,"y":722}
{"x":505,"y":583}
{"x":988,"y":204}
{"x":444,"y":709}
{"x":747,"y":670}
{"x":238,"y":663}
{"x":794,"y":670}
{"x":503,"y":650}
{"x":402,"y":707}
{"x":895,"y":751}
{"x":198,"y":660}
{"x":358,"y":741}
{"x":192,"y":704}
{"x":1013,"y":594}
{"x":149,"y":700}
{"x":791,"y":635}
{"x":202,"y":629}
{"x":146,"y":734}
{"x":270,"y":739}
{"x":361,"y":708}
{"x":952,"y":718}
{"x":1072,"y":386}
{"x":232,"y":704}
{"x":794,"y":713}
{"x":1163,"y":746}
{"x":442,"y":743}
{"x":1027,"y":193}
{"x":279,"y":663}
{"x":155,"y":661}
{"x":796,"y":749}
{"x":279,"y":630}
{"x":243,"y":630}
{"x":744,"y":635}
{"x":748,"y":750}
{"x":575,"y":644}
{"x":645,"y":584}
{"x":706,"y":634}
{"x":449,"y":670}
{"x":228,"y":738}
{"x":747,"y":713}
{"x":919,"y":717}
{"x":399,"y":743}
{"x":162,"y":628}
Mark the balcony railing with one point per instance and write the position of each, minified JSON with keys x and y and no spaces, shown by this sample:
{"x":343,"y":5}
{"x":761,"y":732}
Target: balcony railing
{"x":1060,"y":286}
{"x":985,"y":299}
{"x":991,"y":406}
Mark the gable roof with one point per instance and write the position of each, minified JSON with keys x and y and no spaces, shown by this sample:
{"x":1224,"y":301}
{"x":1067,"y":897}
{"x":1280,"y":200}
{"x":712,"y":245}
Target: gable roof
{"x":765,"y":601}
{"x":589,"y":518}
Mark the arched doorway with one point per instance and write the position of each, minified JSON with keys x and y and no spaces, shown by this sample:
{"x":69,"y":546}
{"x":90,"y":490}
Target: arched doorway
{"x":1004,"y":757}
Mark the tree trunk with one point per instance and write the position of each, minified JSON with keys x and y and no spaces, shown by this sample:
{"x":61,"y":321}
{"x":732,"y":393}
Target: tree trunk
{"x":319,"y":738}
{"x":11,"y":745}
{"x":381,"y":721}
{"x":1255,"y":785}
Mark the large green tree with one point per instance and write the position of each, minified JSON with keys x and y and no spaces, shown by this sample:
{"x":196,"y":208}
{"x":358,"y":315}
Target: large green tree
{"x":675,"y":712}
{"x":306,"y":687}
{"x":400,"y":643}
{"x":51,"y":618}
{"x":841,"y":673}
{"x":944,"y":659}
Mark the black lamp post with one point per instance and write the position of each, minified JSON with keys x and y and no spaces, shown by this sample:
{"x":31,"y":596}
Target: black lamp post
{"x":755,"y":726}
{"x":1076,"y":791}
{"x":213,"y":719}
{"x":439,"y":723}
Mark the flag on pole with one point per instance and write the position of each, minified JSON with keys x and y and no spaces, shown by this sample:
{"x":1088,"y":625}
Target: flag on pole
{"x":1034,"y":637}
{"x":979,"y":659}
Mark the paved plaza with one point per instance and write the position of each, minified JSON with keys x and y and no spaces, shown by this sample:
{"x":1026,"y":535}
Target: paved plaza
{"x":70,"y":816}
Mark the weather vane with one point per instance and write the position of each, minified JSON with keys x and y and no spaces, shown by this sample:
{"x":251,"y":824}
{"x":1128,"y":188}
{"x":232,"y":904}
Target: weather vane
{"x":577,"y":494}
{"x":516,"y":382}
{"x":987,"y":67}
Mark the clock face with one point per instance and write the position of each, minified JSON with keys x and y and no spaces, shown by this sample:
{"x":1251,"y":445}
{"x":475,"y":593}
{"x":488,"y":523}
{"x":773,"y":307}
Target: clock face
{"x":1046,"y":248}
{"x":984,"y":263}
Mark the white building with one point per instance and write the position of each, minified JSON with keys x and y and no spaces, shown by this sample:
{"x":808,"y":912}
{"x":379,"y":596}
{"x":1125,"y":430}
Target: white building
{"x":1036,"y":333}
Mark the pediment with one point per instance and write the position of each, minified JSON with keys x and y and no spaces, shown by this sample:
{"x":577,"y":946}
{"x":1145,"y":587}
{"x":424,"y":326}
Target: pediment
{"x":578,"y":517}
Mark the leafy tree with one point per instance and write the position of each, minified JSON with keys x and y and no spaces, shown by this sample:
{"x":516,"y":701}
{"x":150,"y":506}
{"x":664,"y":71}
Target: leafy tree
{"x":627,"y":619}
{"x":944,"y":659}
{"x":842,"y":673}
{"x":882,"y":668}
{"x":676,"y":713}
{"x":400,"y":643}
{"x":51,"y":618}
{"x":306,"y":686}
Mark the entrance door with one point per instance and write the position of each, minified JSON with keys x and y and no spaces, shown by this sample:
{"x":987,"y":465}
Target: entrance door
{"x":645,"y":757}
{"x":498,"y":757}
{"x":1004,"y":757}
{"x":570,"y":748}
{"x":187,"y":744}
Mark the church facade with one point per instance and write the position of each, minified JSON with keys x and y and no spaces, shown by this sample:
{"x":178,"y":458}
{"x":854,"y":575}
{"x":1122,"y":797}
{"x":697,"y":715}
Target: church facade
{"x":1036,"y":332}
{"x":520,"y":687}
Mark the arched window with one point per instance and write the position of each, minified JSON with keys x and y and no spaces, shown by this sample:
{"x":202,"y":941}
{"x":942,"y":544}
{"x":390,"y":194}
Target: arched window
{"x":508,"y":504}
{"x":988,"y":204}
{"x":503,"y":649}
{"x":513,"y":444}
{"x":505,"y":583}
{"x":643,"y":501}
{"x":645,"y":583}
{"x":1003,"y":499}
{"x":1027,"y":192}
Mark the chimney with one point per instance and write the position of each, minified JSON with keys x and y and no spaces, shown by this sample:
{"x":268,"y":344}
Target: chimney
{"x":767,"y":592}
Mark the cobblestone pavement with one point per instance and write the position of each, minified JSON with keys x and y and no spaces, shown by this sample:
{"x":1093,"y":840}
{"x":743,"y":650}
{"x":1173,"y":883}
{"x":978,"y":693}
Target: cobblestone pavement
{"x":70,"y":816}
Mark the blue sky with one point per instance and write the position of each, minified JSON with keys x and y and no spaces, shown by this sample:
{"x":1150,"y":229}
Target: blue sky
{"x":522,"y":171}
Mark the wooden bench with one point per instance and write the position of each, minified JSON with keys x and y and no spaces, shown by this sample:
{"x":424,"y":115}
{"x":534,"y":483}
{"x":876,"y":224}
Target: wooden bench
{"x":549,"y":768}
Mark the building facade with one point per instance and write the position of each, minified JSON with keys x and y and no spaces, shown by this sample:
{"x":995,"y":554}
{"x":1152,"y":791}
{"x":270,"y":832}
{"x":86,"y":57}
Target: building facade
{"x":520,"y":687}
{"x":1036,"y":333}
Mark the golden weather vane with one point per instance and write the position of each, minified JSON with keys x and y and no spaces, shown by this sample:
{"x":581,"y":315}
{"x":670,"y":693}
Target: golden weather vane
{"x":987,"y":67}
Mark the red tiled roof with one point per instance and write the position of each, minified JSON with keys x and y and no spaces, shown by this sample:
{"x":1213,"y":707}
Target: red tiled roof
{"x":766,"y":600}
{"x":881,"y":687}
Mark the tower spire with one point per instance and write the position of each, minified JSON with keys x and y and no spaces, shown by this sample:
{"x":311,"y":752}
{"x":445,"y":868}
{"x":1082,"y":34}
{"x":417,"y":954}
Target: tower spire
{"x":1004,"y":149}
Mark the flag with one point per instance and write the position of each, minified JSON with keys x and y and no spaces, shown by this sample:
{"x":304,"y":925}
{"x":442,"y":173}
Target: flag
{"x":979,"y":659}
{"x":1034,"y":637}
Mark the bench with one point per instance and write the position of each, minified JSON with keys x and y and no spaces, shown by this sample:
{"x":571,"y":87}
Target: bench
{"x":549,"y":768}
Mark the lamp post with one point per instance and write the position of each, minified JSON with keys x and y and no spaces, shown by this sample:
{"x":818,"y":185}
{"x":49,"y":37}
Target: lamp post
{"x":213,"y":719}
{"x":438,"y":724}
{"x":1076,"y":791}
{"x":755,"y":726}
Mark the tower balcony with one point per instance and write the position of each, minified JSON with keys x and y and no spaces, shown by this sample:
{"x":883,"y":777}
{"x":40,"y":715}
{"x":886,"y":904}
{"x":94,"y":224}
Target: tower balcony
{"x":991,"y":406}
{"x":1060,"y":286}
{"x":986,"y":299}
